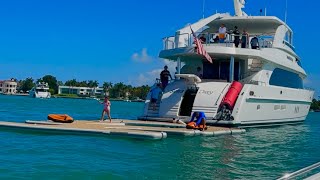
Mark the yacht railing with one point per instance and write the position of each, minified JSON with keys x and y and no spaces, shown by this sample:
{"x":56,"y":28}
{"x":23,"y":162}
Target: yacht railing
{"x":188,"y":40}
{"x":289,"y":45}
{"x":300,"y":172}
{"x":309,"y":88}
{"x":168,"y":43}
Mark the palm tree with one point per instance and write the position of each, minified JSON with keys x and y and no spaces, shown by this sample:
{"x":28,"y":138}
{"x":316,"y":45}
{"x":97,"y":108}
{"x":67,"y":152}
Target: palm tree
{"x":106,"y":87}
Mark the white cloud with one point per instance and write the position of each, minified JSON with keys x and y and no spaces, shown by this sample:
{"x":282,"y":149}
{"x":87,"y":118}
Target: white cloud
{"x":149,"y":77}
{"x":141,"y":57}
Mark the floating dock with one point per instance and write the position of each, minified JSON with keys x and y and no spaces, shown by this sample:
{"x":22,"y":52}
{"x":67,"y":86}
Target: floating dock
{"x":120,"y":127}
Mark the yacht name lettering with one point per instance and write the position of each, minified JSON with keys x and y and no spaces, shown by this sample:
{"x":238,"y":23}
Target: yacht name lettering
{"x":206,"y":92}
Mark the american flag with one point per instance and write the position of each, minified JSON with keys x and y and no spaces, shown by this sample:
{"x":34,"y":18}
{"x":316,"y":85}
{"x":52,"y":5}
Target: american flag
{"x":200,"y":48}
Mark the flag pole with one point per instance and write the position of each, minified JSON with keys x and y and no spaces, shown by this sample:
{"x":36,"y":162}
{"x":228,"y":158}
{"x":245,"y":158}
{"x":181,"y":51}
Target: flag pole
{"x":286,"y":12}
{"x":203,"y":5}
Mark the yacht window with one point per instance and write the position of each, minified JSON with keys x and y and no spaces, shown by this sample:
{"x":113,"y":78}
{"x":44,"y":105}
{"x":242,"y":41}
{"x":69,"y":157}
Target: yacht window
{"x":285,"y":78}
{"x":299,"y":62}
{"x":276,"y":107}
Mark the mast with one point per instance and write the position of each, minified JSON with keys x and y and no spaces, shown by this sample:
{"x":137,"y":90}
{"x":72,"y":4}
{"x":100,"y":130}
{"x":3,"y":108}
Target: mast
{"x":286,"y":12}
{"x":238,"y":5}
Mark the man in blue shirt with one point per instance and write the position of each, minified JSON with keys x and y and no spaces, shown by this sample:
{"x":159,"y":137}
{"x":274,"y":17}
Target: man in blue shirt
{"x":199,"y":122}
{"x":155,"y":92}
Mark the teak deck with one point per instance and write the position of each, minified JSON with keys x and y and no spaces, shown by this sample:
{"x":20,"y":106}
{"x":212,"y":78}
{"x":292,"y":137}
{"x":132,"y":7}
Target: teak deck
{"x":120,"y":127}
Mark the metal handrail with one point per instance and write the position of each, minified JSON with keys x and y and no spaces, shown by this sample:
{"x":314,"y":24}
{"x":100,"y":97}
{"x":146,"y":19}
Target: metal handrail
{"x":309,"y":88}
{"x":166,"y":40}
{"x":300,"y":172}
{"x":264,"y":42}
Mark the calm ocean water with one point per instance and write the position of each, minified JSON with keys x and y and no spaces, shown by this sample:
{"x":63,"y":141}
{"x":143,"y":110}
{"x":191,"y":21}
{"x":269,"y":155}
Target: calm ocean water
{"x":261,"y":153}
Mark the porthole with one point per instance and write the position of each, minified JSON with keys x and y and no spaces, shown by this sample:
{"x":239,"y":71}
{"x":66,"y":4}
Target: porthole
{"x":251,"y":93}
{"x":258,"y":107}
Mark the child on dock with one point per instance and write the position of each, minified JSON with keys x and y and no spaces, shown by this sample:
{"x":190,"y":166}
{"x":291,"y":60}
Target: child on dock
{"x":106,"y":108}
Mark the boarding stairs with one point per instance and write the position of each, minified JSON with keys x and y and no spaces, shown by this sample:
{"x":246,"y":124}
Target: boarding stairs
{"x":153,"y":113}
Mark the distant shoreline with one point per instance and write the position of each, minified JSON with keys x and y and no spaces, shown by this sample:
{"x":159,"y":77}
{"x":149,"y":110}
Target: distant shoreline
{"x":17,"y":94}
{"x":66,"y":97}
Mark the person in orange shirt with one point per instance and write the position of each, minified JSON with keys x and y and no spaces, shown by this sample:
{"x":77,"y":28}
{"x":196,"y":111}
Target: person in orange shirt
{"x":222,"y":33}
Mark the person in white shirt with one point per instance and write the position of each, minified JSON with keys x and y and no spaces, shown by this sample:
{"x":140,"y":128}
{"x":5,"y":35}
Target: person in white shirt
{"x":222,"y":33}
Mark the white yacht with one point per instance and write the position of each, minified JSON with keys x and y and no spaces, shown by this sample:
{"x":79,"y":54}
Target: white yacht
{"x":243,"y":86}
{"x":41,"y":90}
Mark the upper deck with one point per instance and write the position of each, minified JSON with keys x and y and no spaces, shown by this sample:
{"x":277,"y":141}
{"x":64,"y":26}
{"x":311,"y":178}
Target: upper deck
{"x":271,"y":31}
{"x":274,"y":36}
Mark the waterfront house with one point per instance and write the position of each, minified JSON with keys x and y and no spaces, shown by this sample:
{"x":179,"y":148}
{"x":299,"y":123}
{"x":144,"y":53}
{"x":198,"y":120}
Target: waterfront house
{"x":82,"y":91}
{"x":8,"y":86}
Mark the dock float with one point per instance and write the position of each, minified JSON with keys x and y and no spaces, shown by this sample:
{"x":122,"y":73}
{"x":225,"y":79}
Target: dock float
{"x":122,"y":127}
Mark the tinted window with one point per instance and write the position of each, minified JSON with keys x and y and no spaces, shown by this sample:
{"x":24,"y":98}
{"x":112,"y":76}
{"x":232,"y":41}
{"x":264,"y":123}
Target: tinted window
{"x":285,"y":78}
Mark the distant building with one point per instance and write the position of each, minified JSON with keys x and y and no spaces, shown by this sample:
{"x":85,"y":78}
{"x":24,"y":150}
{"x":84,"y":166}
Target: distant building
{"x":85,"y":91}
{"x":8,"y":86}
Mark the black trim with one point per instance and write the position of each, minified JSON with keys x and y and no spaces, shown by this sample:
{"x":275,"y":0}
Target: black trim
{"x":260,"y":125}
{"x":257,"y":125}
{"x":278,"y":119}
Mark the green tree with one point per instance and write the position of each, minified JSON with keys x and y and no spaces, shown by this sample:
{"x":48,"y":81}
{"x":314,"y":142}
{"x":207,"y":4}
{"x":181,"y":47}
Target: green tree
{"x":72,"y":82}
{"x":26,"y":85}
{"x":106,"y":87}
{"x":315,"y":105}
{"x":144,"y":90}
{"x":52,"y":82}
{"x":118,"y":90}
{"x":60,"y":83}
{"x":92,"y":83}
{"x":82,"y":84}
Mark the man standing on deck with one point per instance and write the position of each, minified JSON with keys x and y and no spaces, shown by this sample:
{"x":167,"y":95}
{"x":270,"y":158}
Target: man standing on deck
{"x":236,"y":36}
{"x":222,"y":33}
{"x":164,"y":77}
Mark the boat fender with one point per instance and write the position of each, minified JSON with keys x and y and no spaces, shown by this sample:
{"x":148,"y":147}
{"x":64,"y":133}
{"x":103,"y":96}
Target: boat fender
{"x":230,"y":98}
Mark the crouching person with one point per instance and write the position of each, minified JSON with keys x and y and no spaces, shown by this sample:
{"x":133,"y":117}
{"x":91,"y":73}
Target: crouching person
{"x":198,"y":121}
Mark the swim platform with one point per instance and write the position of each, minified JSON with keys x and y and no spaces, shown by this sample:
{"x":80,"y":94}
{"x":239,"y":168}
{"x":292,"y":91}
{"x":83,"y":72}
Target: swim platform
{"x":121,"y":127}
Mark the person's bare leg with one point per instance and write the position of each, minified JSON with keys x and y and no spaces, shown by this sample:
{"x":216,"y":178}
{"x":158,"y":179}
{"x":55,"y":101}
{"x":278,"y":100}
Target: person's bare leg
{"x":108,"y":113}
{"x":102,"y":116}
{"x":203,"y":123}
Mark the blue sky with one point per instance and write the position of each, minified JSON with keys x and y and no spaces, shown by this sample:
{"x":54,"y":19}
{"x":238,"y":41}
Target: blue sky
{"x":119,"y":41}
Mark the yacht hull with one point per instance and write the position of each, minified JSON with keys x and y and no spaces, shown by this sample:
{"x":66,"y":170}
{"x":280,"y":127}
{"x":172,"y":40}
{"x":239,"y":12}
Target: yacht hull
{"x":256,"y":105}
{"x":40,"y":94}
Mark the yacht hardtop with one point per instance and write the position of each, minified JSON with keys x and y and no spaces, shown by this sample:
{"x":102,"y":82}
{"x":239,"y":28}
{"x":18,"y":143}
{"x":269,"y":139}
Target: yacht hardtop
{"x":244,"y":85}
